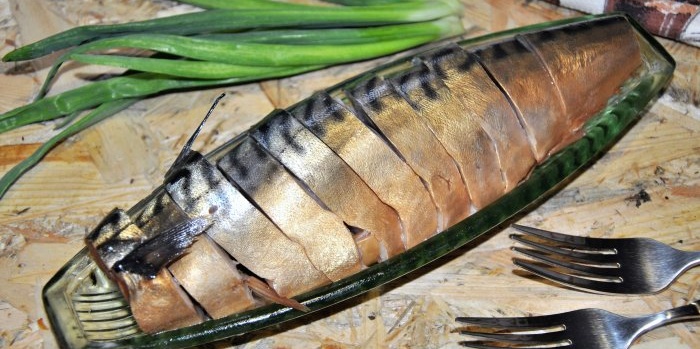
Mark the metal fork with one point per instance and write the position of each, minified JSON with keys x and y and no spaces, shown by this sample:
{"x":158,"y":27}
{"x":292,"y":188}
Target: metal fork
{"x":612,"y":266}
{"x":580,"y":329}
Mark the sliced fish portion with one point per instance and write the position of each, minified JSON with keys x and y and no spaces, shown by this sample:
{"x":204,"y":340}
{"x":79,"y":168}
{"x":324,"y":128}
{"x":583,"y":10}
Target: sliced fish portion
{"x":210,"y":276}
{"x":326,"y":241}
{"x":241,"y":229}
{"x":579,"y":56}
{"x":157,"y":302}
{"x":335,"y":184}
{"x":463,"y":138}
{"x":531,"y":91}
{"x":359,"y":173}
{"x":410,"y":135}
{"x":374,"y":161}
{"x":487,"y":105}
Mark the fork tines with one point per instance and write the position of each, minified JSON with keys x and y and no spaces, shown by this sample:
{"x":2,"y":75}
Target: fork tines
{"x":579,"y":262}
{"x":515,"y":332}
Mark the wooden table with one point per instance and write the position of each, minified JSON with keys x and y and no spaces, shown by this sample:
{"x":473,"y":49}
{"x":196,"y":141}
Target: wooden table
{"x":46,"y":214}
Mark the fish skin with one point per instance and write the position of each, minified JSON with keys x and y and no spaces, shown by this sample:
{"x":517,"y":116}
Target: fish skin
{"x":577,"y":57}
{"x":464,"y":139}
{"x":159,"y":303}
{"x":241,"y":229}
{"x":415,"y":141}
{"x":484,"y":103}
{"x":333,"y":182}
{"x":161,"y":250}
{"x":374,"y":161}
{"x":530,"y":90}
{"x":114,"y":222}
{"x":326,"y":241}
{"x":113,"y":239}
{"x":194,"y":271}
{"x":159,"y":215}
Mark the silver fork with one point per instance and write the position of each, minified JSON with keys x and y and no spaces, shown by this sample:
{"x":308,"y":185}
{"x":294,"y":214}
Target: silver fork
{"x":613,"y":266}
{"x":579,"y":329}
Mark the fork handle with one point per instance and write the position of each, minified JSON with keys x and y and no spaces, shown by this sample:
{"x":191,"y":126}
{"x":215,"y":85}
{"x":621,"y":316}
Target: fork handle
{"x":690,"y":311}
{"x":693,"y":258}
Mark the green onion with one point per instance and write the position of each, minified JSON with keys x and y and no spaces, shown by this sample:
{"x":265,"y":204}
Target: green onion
{"x":362,"y":2}
{"x":136,"y":85}
{"x":248,"y":54}
{"x":180,"y":68}
{"x":228,"y":4}
{"x":444,"y":27}
{"x":217,"y":47}
{"x":244,"y":4}
{"x":229,"y":20}
{"x":95,"y":116}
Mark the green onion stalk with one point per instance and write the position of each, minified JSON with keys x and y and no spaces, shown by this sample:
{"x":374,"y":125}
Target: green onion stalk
{"x":231,"y":42}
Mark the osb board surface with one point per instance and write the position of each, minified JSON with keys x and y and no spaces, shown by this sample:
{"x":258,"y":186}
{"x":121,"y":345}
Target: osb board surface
{"x":44,"y":217}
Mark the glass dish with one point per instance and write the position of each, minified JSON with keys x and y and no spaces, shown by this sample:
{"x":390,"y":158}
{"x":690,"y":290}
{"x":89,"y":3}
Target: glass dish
{"x":87,"y":310}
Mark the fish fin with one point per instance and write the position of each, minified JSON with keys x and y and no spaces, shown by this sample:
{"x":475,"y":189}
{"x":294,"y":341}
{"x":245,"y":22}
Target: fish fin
{"x":187,"y":148}
{"x":154,"y":254}
{"x":264,"y":290}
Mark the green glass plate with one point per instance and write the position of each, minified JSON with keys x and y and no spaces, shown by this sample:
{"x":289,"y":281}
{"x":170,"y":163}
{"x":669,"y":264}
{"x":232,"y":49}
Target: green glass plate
{"x":87,"y":310}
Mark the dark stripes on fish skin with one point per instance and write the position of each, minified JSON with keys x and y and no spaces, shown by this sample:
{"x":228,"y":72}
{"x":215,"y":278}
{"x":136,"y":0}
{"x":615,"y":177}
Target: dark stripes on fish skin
{"x":279,"y":133}
{"x":583,"y":26}
{"x":372,"y":157}
{"x":561,"y":33}
{"x":196,"y":185}
{"x":369,"y":95}
{"x":436,"y":58}
{"x":334,"y":109}
{"x":419,"y":76}
{"x":110,"y":226}
{"x":220,"y":201}
{"x":113,"y":239}
{"x":327,"y":242}
{"x":404,"y":80}
{"x":316,"y":112}
{"x":372,"y":94}
{"x":544,"y":36}
{"x":316,"y":157}
{"x":184,"y":176}
{"x":428,"y":89}
{"x":500,"y":50}
{"x":158,"y":213}
{"x":532,"y":92}
{"x":152,"y":209}
{"x":115,"y":250}
{"x":366,"y":93}
{"x":497,"y":52}
{"x":248,"y":167}
{"x":467,"y":64}
{"x":276,"y":125}
{"x":408,"y":133}
{"x":156,"y":253}
{"x":190,"y":169}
